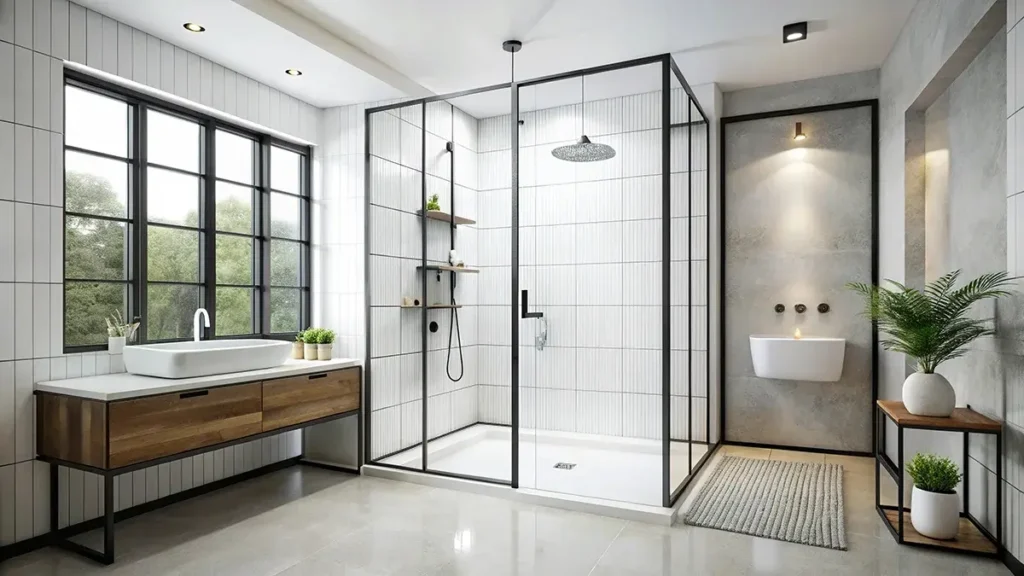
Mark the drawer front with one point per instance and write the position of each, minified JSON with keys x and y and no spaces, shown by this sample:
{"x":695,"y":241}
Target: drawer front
{"x":146,"y":428}
{"x":72,"y":429}
{"x":291,"y":401}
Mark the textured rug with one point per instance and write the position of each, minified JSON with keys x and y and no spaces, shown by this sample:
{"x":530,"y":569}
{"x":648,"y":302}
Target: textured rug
{"x":791,"y":501}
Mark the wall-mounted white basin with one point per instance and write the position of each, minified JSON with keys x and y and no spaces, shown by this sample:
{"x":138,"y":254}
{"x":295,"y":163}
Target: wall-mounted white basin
{"x":806,"y":358}
{"x":205,"y":358}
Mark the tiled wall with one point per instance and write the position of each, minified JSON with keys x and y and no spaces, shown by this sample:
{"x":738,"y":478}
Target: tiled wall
{"x":35,"y":37}
{"x":396,"y":347}
{"x":590,"y":255}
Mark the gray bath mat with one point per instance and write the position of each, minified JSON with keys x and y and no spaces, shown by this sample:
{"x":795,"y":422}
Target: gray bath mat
{"x":791,"y":501}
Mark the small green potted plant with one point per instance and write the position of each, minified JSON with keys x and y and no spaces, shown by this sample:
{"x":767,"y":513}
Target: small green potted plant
{"x":931,"y":326}
{"x":297,"y":347}
{"x":119,"y":332}
{"x":934,"y":503}
{"x":433,"y":203}
{"x":310,"y":338}
{"x":324,"y":344}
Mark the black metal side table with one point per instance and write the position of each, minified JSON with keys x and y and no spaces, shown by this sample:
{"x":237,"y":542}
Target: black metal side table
{"x":973,"y":538}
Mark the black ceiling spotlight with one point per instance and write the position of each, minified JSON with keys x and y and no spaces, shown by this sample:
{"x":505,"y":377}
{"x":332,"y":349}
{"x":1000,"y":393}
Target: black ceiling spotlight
{"x":794,"y":32}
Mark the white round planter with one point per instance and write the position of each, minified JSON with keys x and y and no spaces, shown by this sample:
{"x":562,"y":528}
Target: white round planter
{"x":935,"y":515}
{"x":928,"y":395}
{"x":115,"y":345}
{"x":323,"y":351}
{"x":310,"y":351}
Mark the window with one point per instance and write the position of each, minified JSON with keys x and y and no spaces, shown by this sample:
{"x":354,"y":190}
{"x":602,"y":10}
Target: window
{"x":167,"y":211}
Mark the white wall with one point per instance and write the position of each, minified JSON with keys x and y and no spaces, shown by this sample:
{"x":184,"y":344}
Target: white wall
{"x":36,"y":36}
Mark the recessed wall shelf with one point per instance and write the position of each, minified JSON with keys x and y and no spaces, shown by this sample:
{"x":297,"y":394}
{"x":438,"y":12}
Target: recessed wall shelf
{"x":436,"y":306}
{"x":456,"y":269}
{"x":446,"y":217}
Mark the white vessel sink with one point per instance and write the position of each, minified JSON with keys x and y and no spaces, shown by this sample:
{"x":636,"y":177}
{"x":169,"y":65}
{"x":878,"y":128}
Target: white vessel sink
{"x":205,"y":358}
{"x":806,"y":358}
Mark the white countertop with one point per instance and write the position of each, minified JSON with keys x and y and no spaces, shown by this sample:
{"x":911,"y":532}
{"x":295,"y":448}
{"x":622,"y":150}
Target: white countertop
{"x":122,"y":386}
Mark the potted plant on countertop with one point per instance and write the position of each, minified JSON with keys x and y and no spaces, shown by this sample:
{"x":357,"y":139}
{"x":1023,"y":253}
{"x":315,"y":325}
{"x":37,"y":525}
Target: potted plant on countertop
{"x":297,"y":347}
{"x":934,"y":503}
{"x":931,"y":327}
{"x":324,"y":344}
{"x":310,"y":338}
{"x":119,"y":332}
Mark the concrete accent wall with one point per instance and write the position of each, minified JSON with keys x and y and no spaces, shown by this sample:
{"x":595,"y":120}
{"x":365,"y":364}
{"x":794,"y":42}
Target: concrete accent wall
{"x":798,"y":228}
{"x":36,"y":37}
{"x":813,"y":92}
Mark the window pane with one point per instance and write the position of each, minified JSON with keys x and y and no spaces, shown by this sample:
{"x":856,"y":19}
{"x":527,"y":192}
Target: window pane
{"x":234,"y":157}
{"x":234,"y":311}
{"x":234,"y":261}
{"x":285,"y":308}
{"x":170,"y":310}
{"x":173,"y":255}
{"x":86,"y":305}
{"x":284,"y":263}
{"x":172,"y":198}
{"x":172,"y":141}
{"x":284,"y":170}
{"x":95,"y":122}
{"x":95,"y":185}
{"x":284,"y":216}
{"x":234,"y":208}
{"x":94,"y":249}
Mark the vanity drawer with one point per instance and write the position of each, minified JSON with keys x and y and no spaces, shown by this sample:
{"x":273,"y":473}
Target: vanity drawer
{"x":290,"y":401}
{"x":147,"y":428}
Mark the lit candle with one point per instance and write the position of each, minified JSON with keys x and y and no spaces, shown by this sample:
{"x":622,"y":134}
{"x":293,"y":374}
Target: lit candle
{"x":796,"y":335}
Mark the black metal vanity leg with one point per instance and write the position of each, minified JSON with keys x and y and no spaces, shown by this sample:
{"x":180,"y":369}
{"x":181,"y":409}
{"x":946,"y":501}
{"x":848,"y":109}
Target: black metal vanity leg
{"x":999,"y":488}
{"x":899,"y":484}
{"x":108,"y":518}
{"x":878,"y":449}
{"x":54,"y":497}
{"x":967,"y":473}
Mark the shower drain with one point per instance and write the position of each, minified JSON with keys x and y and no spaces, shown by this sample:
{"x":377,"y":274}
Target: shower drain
{"x":564,"y":466}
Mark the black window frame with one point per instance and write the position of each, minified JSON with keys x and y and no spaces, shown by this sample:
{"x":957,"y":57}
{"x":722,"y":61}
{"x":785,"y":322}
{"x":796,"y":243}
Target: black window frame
{"x":136,"y":278}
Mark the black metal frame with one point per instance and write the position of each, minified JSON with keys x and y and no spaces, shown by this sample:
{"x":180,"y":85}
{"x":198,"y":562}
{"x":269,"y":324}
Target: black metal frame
{"x":872,"y":105}
{"x":897,"y":470}
{"x":136,"y":277}
{"x":669,"y":71}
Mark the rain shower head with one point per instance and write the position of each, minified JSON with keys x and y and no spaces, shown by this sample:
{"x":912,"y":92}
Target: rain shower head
{"x":584,"y":151}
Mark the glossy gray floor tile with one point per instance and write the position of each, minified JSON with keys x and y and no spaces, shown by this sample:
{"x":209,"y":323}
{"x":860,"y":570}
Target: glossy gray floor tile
{"x":306,"y":521}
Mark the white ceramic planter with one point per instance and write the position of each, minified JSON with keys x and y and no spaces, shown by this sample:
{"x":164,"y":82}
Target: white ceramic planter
{"x":115,"y":345}
{"x":323,"y":351}
{"x":297,"y":351}
{"x":310,"y":351}
{"x":935,"y":515}
{"x":928,"y":395}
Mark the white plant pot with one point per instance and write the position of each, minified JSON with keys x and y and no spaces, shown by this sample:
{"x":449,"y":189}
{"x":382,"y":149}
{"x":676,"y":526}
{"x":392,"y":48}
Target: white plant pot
{"x":935,"y":515}
{"x":310,"y":351}
{"x":115,"y":344}
{"x":928,"y":395}
{"x":323,"y":351}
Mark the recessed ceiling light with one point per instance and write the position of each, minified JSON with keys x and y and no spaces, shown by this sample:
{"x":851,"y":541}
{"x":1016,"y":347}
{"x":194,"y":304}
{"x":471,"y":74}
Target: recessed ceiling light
{"x":794,"y":32}
{"x":293,"y":72}
{"x":193,"y":27}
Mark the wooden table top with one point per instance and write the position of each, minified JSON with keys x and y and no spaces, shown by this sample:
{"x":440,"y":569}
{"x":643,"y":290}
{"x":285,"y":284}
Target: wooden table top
{"x":962,"y":419}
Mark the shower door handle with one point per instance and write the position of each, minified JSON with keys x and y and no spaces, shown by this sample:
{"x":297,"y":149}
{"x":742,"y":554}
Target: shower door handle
{"x":526,"y":307}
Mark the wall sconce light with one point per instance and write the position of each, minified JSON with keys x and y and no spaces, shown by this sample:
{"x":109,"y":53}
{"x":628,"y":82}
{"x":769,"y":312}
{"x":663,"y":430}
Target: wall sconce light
{"x":799,"y":132}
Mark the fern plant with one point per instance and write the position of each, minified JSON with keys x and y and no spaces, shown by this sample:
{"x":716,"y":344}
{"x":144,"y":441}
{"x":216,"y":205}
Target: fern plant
{"x":931,"y":326}
{"x":933,"y":473}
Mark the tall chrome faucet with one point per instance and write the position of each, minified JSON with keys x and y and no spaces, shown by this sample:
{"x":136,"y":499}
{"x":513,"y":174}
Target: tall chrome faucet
{"x":195,"y":322}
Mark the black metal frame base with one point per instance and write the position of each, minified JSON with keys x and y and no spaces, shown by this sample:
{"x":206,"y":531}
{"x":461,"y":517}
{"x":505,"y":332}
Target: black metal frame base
{"x":801,"y":449}
{"x":896,"y":470}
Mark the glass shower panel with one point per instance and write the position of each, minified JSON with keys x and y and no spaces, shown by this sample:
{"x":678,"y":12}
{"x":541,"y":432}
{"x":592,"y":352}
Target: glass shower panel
{"x":591,"y":263}
{"x":700,"y":427}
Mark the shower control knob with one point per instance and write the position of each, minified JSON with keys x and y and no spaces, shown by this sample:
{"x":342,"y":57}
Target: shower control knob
{"x":800,"y":308}
{"x":780,"y":308}
{"x":823,"y":308}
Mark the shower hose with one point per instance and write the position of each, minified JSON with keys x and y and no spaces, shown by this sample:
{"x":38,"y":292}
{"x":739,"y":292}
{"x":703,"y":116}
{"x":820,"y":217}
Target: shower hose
{"x":454,"y":325}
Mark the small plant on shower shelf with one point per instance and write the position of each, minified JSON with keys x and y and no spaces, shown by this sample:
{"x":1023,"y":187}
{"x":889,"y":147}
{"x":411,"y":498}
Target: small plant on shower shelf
{"x":434,"y":203}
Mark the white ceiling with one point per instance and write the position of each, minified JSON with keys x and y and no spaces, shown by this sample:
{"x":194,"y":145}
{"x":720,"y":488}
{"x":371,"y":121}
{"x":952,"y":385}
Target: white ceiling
{"x":451,"y":45}
{"x":363,"y":51}
{"x":240,"y":39}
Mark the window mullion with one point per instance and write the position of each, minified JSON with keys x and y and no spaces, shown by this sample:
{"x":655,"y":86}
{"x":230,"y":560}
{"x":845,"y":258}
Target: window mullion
{"x":139,"y":241}
{"x":210,"y":225}
{"x":264,"y":234}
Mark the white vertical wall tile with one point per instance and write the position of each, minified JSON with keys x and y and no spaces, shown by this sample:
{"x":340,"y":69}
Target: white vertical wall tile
{"x":40,"y":320}
{"x":24,"y":445}
{"x":8,"y":503}
{"x":23,"y":29}
{"x":7,"y":21}
{"x":8,"y":421}
{"x":7,"y":328}
{"x":94,"y":39}
{"x":23,"y":146}
{"x":41,"y":26}
{"x":7,"y":88}
{"x":59,"y":29}
{"x":23,"y":84}
{"x":23,"y":486}
{"x":109,"y":27}
{"x":23,"y":255}
{"x":78,"y":46}
{"x":6,"y":242}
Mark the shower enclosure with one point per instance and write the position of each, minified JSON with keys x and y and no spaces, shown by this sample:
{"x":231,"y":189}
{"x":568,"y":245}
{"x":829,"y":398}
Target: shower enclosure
{"x":563,"y":346}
